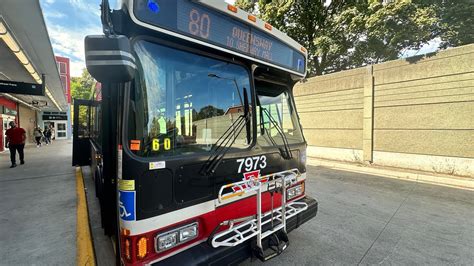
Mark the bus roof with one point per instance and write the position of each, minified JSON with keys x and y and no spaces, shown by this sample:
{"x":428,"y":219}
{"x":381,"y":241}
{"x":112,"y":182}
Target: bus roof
{"x":263,"y":43}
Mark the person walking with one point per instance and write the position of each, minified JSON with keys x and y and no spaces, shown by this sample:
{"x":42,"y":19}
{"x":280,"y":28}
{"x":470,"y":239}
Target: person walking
{"x":51,"y":134}
{"x":16,"y":137}
{"x":47,"y":135}
{"x":38,"y":134}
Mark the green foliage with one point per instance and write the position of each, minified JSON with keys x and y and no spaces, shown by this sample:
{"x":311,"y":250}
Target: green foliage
{"x":82,"y":88}
{"x":208,"y":112}
{"x":347,"y":34}
{"x":245,"y":5}
{"x":386,"y":30}
{"x":456,"y":21}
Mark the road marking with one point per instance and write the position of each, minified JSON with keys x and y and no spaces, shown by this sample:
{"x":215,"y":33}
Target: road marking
{"x":85,"y":249}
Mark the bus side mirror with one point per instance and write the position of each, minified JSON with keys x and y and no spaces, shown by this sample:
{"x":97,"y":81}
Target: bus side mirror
{"x":109,"y":59}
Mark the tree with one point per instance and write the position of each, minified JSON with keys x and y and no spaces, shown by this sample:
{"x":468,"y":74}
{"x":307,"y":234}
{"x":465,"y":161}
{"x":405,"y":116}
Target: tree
{"x":82,"y":88}
{"x":455,"y":21}
{"x":208,"y":112}
{"x":386,"y":30}
{"x":352,"y":33}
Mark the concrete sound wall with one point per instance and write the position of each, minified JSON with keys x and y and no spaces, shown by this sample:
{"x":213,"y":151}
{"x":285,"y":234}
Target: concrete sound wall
{"x":415,"y":113}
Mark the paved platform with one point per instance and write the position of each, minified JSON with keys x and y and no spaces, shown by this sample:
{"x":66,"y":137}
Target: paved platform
{"x":38,"y":207}
{"x":103,"y":245}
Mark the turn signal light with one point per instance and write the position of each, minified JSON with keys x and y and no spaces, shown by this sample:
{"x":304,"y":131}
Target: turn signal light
{"x":252,"y":18}
{"x":142,"y":247}
{"x":268,"y":26}
{"x":124,"y":232}
{"x":127,"y":249}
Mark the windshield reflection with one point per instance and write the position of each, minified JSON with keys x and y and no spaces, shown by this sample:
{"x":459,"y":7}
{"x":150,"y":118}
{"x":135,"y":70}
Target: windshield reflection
{"x":182,"y":102}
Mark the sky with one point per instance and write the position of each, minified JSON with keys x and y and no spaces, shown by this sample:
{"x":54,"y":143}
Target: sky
{"x":69,"y":21}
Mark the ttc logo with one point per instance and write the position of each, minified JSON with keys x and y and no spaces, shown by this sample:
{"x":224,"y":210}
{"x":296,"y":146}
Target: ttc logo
{"x":250,"y":176}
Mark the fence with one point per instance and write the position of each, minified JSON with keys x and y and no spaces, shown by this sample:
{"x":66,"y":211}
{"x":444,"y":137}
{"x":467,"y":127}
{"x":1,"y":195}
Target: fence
{"x":415,"y":113}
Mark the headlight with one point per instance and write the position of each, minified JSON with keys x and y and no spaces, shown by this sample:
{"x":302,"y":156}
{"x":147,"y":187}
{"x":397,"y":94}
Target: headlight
{"x":167,"y":241}
{"x":175,"y":237}
{"x":295,"y":191}
{"x":188,"y":233}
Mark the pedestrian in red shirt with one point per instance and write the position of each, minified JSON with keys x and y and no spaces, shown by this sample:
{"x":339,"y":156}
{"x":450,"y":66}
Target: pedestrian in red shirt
{"x":16,"y":137}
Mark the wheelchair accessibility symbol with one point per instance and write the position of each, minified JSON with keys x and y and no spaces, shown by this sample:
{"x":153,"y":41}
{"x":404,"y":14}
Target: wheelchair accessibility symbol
{"x":127,"y":205}
{"x":123,"y":211}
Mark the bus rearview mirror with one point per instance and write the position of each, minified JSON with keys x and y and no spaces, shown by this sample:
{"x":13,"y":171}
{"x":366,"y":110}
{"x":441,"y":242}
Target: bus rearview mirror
{"x":109,"y":59}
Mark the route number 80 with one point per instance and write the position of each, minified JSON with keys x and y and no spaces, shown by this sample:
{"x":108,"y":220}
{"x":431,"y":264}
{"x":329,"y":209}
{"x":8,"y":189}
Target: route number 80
{"x":252,"y":163}
{"x":199,"y":24}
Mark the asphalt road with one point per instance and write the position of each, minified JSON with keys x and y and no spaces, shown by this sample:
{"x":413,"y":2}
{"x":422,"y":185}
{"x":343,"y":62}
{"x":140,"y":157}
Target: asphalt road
{"x":365,"y":219}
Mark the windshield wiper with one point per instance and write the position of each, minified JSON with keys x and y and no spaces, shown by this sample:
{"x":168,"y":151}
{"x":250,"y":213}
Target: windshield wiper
{"x":285,"y":151}
{"x":225,"y":142}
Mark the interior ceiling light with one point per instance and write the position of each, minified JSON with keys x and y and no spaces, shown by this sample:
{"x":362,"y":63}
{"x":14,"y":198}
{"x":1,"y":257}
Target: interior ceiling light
{"x":36,"y":77}
{"x":13,"y":45}
{"x":52,"y":99}
{"x":30,"y":68}
{"x":3,"y":30}
{"x":22,"y":57}
{"x":8,"y":39}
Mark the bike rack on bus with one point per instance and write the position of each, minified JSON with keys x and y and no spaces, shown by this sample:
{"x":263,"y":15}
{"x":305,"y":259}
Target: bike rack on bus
{"x":243,"y":229}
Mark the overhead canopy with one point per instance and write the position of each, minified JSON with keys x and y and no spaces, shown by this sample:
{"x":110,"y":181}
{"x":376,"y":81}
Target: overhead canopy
{"x":25,"y":23}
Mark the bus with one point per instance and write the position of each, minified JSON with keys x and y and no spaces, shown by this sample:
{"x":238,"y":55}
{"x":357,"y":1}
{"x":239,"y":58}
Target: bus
{"x":193,"y":137}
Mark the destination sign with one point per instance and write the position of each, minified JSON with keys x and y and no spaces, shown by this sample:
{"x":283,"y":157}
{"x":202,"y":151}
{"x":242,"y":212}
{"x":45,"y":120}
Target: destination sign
{"x":194,"y":20}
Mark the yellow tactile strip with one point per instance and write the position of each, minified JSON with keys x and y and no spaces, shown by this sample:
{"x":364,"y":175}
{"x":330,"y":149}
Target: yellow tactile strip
{"x":85,"y":249}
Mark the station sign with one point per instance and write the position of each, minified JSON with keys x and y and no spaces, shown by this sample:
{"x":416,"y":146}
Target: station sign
{"x":54,"y":117}
{"x":16,"y":87}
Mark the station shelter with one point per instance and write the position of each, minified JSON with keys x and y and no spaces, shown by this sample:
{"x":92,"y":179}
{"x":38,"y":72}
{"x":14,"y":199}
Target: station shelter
{"x":27,"y":57}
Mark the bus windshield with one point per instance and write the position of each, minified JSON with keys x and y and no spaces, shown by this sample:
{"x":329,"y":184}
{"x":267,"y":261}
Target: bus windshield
{"x":182,"y":103}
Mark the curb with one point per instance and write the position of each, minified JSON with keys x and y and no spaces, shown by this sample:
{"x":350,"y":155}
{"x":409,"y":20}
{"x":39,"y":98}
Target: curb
{"x":421,"y":177}
{"x":85,"y":251}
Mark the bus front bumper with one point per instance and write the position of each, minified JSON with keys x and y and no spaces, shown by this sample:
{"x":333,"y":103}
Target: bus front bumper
{"x":204,"y":254}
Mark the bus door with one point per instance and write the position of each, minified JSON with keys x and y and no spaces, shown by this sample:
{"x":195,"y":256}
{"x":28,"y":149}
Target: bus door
{"x":81,"y":147}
